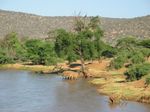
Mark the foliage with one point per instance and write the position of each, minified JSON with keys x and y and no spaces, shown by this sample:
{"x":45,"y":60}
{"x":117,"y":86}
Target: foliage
{"x":145,"y":52}
{"x":13,"y":47}
{"x":64,"y":41}
{"x":129,"y":51}
{"x":145,"y":43}
{"x":83,"y":43}
{"x":118,"y":61}
{"x":147,"y":79}
{"x":40,"y":52}
{"x":137,"y":57}
{"x":137,"y":71}
{"x":126,"y":43}
{"x":4,"y":59}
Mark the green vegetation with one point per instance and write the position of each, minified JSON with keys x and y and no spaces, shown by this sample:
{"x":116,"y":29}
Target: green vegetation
{"x":84,"y":44}
{"x":137,"y":71}
{"x":12,"y":50}
{"x":118,"y":61}
{"x":147,"y":80}
{"x":4,"y":58}
{"x":145,"y":43}
{"x":40,"y":52}
{"x":37,"y":51}
{"x":133,"y":54}
{"x":131,"y":51}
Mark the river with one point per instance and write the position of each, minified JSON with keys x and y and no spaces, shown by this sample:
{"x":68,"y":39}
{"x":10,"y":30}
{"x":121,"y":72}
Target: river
{"x":22,"y":91}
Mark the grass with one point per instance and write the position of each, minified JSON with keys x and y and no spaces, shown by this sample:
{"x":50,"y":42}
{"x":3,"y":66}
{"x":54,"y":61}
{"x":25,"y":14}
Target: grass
{"x":115,"y":73}
{"x":35,"y":68}
{"x":121,"y":90}
{"x":98,"y":81}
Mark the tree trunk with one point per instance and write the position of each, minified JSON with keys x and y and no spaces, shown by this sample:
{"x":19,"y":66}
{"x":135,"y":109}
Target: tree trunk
{"x":83,"y":67}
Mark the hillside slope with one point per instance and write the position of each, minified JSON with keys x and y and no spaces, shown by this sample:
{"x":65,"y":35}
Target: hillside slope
{"x":29,"y":25}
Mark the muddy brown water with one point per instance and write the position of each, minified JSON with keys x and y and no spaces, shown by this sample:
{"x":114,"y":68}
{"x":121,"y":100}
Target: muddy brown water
{"x":22,"y":91}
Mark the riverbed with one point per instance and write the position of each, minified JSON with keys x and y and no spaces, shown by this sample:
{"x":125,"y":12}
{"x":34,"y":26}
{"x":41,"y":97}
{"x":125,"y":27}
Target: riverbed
{"x":23,"y":91}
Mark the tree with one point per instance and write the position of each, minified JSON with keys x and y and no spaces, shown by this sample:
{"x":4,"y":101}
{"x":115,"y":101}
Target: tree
{"x":13,"y":47}
{"x":50,"y":57}
{"x":83,"y":44}
{"x":40,"y":52}
{"x":64,"y":43}
{"x":87,"y":32}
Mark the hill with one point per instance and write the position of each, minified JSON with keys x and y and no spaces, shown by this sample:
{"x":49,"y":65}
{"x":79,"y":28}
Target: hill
{"x":35,"y":26}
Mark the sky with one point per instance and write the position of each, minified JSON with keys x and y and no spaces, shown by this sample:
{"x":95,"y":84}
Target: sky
{"x":104,"y":8}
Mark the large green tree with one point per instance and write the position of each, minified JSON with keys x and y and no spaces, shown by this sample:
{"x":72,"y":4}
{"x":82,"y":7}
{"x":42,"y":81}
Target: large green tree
{"x":83,"y":43}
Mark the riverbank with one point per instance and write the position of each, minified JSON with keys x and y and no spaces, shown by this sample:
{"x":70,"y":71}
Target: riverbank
{"x":113,"y":83}
{"x":109,"y":82}
{"x":34,"y":68}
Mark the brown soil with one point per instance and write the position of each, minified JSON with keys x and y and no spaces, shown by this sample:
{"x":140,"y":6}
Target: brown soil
{"x":113,"y":83}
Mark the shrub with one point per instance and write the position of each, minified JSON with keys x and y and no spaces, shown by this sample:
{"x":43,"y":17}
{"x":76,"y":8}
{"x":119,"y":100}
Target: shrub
{"x":145,"y":43}
{"x":145,"y":52}
{"x":137,"y":71}
{"x":41,"y":52}
{"x":51,"y":61}
{"x":4,"y":59}
{"x":137,"y":57}
{"x":13,"y":47}
{"x":147,"y":80}
{"x":119,"y":61}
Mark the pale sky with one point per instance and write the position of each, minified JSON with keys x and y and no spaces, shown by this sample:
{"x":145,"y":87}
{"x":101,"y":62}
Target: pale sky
{"x":104,"y":8}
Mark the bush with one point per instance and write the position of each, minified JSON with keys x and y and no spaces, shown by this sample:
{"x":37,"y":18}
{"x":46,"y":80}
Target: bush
{"x":13,"y":47}
{"x":147,"y":80}
{"x":145,"y":52}
{"x":137,"y":71}
{"x":145,"y":43}
{"x":41,"y":52}
{"x":137,"y":57}
{"x":119,"y":61}
{"x":4,"y":59}
{"x":51,"y":61}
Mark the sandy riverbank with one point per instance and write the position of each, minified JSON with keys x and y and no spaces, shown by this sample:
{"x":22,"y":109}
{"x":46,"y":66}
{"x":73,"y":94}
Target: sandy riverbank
{"x":113,"y":83}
